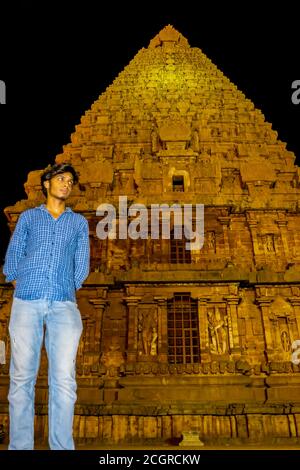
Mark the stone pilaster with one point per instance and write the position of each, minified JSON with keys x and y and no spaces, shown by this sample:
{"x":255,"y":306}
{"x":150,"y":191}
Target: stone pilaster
{"x":232,"y":303}
{"x":99,"y":305}
{"x":282,"y":224}
{"x":132,"y":304}
{"x":225,"y":221}
{"x":253,"y":231}
{"x":264,"y":304}
{"x":203,"y":329}
{"x":162,"y":346}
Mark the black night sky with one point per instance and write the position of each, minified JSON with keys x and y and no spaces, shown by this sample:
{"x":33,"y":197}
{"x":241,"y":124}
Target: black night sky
{"x":58,"y":57}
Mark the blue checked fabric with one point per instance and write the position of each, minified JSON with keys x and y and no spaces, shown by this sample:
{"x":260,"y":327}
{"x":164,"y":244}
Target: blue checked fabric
{"x":49,"y":258}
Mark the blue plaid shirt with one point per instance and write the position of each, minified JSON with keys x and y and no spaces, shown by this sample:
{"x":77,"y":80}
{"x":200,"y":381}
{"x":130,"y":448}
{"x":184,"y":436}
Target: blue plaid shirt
{"x":49,"y":258}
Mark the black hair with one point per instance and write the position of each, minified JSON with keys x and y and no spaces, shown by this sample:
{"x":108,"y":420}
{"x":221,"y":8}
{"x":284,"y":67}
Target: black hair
{"x":57,"y":169}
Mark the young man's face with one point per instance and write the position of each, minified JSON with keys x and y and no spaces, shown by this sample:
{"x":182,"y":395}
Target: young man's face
{"x":60,"y":186}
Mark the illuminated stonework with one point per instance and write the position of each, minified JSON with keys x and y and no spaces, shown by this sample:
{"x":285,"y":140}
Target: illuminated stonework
{"x":175,"y":343}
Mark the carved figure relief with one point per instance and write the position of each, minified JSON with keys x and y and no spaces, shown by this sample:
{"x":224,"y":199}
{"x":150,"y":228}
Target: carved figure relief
{"x":285,"y":341}
{"x":154,"y":141}
{"x":269,"y":243}
{"x":283,"y":326}
{"x":113,"y":358}
{"x":211,"y":241}
{"x":123,"y":182}
{"x":217,"y":328}
{"x":195,"y":141}
{"x":147,"y":330}
{"x":153,"y":346}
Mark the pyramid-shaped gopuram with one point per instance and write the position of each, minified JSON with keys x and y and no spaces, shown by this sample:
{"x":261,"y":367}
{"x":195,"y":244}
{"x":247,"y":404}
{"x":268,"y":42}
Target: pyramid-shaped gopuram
{"x":179,"y":340}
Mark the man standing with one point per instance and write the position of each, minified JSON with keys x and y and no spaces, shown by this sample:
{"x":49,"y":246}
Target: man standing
{"x":47,"y":260}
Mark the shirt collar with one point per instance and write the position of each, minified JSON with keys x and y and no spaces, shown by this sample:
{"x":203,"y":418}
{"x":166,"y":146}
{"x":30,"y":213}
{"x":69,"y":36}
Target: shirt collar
{"x":43,"y":208}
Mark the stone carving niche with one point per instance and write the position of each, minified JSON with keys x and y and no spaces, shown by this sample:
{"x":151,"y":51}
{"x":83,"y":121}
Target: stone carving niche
{"x":175,"y":135}
{"x":283,"y":327}
{"x":147,"y":333}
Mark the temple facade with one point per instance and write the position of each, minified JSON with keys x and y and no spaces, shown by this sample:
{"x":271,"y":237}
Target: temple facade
{"x":181,"y":340}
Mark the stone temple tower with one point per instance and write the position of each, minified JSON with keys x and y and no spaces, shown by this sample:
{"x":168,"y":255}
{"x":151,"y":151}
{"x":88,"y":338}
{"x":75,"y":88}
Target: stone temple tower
{"x":179,"y":340}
